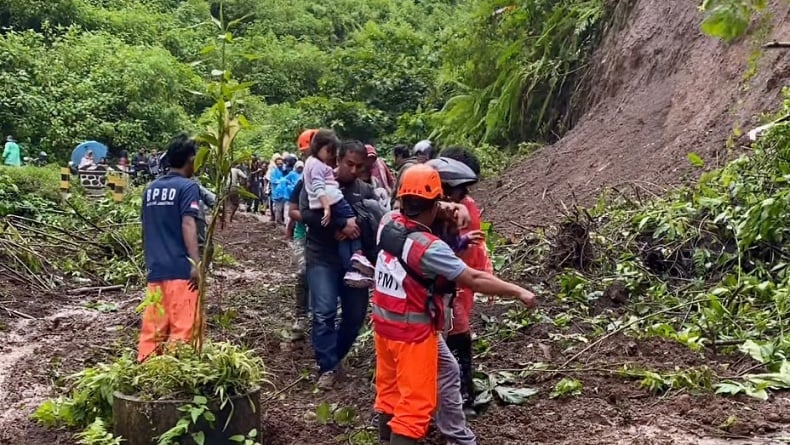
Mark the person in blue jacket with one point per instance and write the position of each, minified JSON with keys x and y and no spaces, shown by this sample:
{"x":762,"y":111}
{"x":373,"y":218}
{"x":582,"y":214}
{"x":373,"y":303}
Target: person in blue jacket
{"x":283,"y":191}
{"x":276,"y":177}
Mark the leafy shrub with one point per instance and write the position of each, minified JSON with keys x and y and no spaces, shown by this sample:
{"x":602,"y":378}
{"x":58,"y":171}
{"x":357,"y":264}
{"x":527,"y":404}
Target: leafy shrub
{"x":41,"y":181}
{"x":717,"y":249}
{"x":729,"y":19}
{"x":220,"y":371}
{"x":510,"y":70}
{"x":26,"y":191}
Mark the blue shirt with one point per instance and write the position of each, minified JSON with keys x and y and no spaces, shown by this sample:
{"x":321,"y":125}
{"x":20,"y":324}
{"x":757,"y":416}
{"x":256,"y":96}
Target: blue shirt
{"x":165,"y":202}
{"x":286,"y":187}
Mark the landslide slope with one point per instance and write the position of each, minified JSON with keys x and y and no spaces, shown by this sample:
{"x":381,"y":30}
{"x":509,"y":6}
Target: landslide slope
{"x":657,"y":89}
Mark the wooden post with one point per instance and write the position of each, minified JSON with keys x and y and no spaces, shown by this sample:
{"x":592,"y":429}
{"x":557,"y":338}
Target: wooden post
{"x":119,"y":181}
{"x":65,"y":179}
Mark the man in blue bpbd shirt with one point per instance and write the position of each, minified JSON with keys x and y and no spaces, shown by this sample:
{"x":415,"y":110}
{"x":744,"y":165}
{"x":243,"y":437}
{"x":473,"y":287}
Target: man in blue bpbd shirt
{"x":171,"y":206}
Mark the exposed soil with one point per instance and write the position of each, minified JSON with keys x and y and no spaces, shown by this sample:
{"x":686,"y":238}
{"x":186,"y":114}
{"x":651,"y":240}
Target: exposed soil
{"x":657,"y":90}
{"x":256,"y":296}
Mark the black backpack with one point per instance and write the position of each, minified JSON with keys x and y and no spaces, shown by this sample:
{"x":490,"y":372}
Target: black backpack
{"x":369,"y":213}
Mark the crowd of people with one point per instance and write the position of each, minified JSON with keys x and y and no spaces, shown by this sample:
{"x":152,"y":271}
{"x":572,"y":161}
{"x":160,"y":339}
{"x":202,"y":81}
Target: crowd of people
{"x":405,"y":245}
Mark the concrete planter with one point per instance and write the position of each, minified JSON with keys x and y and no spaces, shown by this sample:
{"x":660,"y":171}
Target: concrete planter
{"x":140,"y":421}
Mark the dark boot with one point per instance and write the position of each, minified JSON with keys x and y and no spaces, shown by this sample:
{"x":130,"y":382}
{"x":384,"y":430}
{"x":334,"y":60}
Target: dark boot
{"x":397,"y":439}
{"x":461,"y":347}
{"x":385,"y":433}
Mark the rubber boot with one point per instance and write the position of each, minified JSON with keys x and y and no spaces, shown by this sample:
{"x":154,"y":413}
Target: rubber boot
{"x":461,"y":347}
{"x":397,"y":439}
{"x":385,"y":432}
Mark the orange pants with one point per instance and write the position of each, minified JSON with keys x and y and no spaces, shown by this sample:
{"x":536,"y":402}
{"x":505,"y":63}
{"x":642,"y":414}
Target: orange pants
{"x":406,"y":383}
{"x":173,"y":320}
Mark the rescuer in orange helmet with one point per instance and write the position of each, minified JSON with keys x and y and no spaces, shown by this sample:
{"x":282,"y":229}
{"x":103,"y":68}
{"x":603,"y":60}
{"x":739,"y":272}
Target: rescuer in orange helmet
{"x":413,"y":271}
{"x":304,"y":141}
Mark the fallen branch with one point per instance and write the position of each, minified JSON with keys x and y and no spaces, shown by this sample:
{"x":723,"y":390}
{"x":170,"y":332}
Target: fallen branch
{"x":18,"y":314}
{"x":564,"y":371}
{"x":776,"y":44}
{"x":626,"y":326}
{"x":291,"y":385}
{"x":86,"y":290}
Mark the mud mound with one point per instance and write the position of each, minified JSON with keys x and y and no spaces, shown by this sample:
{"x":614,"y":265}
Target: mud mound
{"x":657,"y":90}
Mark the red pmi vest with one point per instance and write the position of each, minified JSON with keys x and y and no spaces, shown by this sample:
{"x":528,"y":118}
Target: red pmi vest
{"x":405,"y":307}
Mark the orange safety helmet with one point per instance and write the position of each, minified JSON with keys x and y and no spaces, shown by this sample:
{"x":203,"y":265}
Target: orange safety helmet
{"x":420,"y":181}
{"x":305,"y":138}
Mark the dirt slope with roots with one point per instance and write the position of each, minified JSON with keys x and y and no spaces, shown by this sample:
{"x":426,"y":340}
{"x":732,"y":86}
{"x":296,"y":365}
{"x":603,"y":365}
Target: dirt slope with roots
{"x":657,"y":89}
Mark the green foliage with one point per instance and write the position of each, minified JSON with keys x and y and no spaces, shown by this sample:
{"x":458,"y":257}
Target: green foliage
{"x":510,"y":70}
{"x":97,"y":434}
{"x":326,"y":413}
{"x":98,"y":240}
{"x":695,"y":160}
{"x":41,"y":181}
{"x":219,"y":372}
{"x":81,"y":85}
{"x":192,"y":413}
{"x":499,"y":384}
{"x":704,"y":266}
{"x":375,"y":70}
{"x":27,"y":191}
{"x":90,"y":398}
{"x":729,"y":19}
{"x":250,"y":439}
{"x":566,"y":387}
{"x":661,"y":382}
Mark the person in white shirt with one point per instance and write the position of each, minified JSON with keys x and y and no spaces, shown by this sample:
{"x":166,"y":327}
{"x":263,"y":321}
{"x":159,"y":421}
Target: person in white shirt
{"x":234,"y":197}
{"x":87,"y":162}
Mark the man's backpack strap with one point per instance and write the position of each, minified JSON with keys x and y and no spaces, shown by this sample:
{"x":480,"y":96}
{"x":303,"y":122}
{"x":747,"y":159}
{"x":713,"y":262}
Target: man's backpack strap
{"x":393,"y":239}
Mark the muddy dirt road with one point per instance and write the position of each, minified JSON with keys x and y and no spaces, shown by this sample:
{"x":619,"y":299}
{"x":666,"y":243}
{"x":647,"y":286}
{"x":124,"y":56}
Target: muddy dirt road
{"x":47,"y":337}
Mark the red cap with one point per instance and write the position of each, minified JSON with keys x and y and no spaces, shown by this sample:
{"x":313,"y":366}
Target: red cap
{"x":371,"y":150}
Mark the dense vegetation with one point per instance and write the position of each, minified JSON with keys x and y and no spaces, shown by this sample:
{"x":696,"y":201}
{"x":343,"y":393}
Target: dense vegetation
{"x":125,"y":72}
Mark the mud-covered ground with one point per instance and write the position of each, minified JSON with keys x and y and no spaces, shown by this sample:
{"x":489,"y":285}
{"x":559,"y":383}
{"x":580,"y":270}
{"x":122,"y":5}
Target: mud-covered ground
{"x":44,"y":338}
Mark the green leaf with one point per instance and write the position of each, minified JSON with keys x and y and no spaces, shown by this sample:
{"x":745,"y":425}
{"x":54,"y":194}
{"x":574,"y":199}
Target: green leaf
{"x":761,"y":354}
{"x":757,"y":393}
{"x":209,"y":416}
{"x":484,"y":398}
{"x":514,"y":396}
{"x":216,"y":22}
{"x":199,"y":400}
{"x":235,"y":22}
{"x":345,"y":416}
{"x":566,"y":387}
{"x":208,"y":49}
{"x":726,"y":22}
{"x":199,"y":438}
{"x":200,"y":158}
{"x":323,"y":413}
{"x":195,"y":414}
{"x":237,"y":438}
{"x":695,"y":160}
{"x":731,"y":388}
{"x":246,"y":194}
